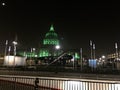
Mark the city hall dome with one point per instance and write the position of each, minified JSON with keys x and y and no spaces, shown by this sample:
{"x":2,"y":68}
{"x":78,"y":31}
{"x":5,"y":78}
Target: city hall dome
{"x":51,"y":37}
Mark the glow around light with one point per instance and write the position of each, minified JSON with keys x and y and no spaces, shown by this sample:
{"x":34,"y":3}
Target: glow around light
{"x":103,"y":56}
{"x":15,"y":43}
{"x":33,"y":49}
{"x":36,"y":55}
{"x":3,"y":4}
{"x":57,"y":46}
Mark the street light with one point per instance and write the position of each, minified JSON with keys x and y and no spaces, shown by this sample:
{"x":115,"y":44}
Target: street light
{"x":33,"y":49}
{"x":94,"y":51}
{"x":6,"y":43}
{"x":81,"y":58}
{"x":91,"y":48}
{"x":9,"y":49}
{"x":32,"y":54}
{"x":103,"y":56}
{"x":117,"y":55}
{"x":3,"y":4}
{"x":116,"y":47}
{"x":15,"y":44}
{"x":57,"y":47}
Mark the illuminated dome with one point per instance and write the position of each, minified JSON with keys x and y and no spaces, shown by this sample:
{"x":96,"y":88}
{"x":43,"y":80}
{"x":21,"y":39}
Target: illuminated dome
{"x":49,"y":43}
{"x":51,"y":37}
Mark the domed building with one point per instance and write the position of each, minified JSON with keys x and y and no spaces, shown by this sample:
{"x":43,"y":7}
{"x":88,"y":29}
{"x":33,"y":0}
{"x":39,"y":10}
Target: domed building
{"x":49,"y":44}
{"x":50,"y":49}
{"x":51,"y":38}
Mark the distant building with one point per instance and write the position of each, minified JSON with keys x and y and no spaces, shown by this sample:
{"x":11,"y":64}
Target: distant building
{"x":113,"y":55}
{"x":14,"y":61}
{"x":115,"y":59}
{"x":49,"y":44}
{"x":50,"y":48}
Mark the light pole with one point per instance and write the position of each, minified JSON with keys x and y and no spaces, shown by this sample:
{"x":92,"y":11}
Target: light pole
{"x":15,"y":44}
{"x":31,"y":56}
{"x":116,"y":47}
{"x":117,"y":55}
{"x":34,"y":55}
{"x":91,"y":48}
{"x":93,"y":56}
{"x":103,"y":60}
{"x":94,"y":51}
{"x":6,"y":43}
{"x":57,"y":47}
{"x":34,"y":51}
{"x":9,"y":49}
{"x":81,"y":58}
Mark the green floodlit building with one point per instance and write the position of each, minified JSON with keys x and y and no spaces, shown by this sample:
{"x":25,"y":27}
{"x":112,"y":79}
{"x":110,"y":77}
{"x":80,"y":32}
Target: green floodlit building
{"x":49,"y":43}
{"x":48,"y":48}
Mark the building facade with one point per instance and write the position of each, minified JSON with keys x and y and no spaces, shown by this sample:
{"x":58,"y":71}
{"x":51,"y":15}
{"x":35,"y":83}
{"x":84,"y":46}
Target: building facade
{"x":50,"y":49}
{"x":49,"y":44}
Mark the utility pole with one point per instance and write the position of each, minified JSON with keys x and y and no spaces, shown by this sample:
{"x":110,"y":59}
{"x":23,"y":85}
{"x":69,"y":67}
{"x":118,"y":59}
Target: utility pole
{"x":31,"y":56}
{"x":6,"y":43}
{"x":116,"y":47}
{"x":81,"y":58}
{"x":94,"y":51}
{"x":91,"y":49}
{"x":15,"y":44}
{"x":117,"y":55}
{"x":9,"y":49}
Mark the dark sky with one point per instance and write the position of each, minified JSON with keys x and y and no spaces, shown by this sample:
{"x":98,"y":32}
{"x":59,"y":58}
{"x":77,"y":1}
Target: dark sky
{"x":75,"y":22}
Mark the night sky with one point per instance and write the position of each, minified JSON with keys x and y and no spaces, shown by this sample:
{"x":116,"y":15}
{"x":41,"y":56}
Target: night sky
{"x":76,"y":23}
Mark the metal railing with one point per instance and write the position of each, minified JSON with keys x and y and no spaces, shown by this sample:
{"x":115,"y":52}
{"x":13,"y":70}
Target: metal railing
{"x":51,"y":83}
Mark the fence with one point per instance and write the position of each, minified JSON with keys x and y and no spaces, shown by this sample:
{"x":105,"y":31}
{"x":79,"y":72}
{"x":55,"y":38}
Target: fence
{"x":51,"y":83}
